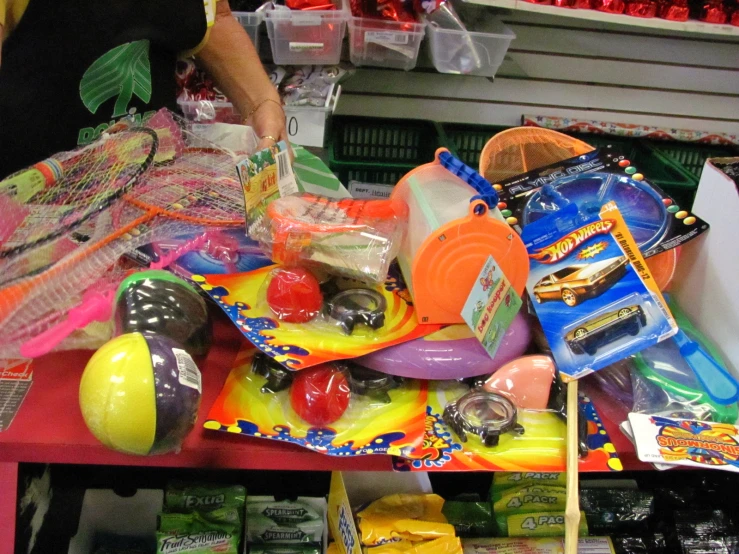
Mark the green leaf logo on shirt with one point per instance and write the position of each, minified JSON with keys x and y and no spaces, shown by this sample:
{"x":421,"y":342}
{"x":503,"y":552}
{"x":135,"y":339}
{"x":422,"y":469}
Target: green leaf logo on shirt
{"x":121,"y":72}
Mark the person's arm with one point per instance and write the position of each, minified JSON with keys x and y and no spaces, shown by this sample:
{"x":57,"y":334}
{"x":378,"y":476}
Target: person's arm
{"x":230,"y":57}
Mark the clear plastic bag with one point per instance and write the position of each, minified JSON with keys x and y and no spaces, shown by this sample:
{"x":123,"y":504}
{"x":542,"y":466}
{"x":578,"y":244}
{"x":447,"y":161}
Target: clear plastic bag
{"x":354,"y":238}
{"x":339,"y":409}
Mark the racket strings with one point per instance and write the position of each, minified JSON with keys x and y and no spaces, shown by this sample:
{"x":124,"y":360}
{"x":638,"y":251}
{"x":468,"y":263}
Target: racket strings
{"x":189,"y":190}
{"x":56,"y":195}
{"x":200,"y":187}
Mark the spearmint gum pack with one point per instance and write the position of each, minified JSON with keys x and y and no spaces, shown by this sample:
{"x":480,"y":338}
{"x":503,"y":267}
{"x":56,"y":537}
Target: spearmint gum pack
{"x":284,"y":549}
{"x":507,"y":479}
{"x":525,"y":500}
{"x":592,"y":290}
{"x":285,"y":521}
{"x":542,"y":524}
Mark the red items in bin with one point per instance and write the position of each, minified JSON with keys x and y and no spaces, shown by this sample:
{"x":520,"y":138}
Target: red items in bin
{"x":641,"y":8}
{"x":307,"y":5}
{"x":713,"y":11}
{"x":674,"y":10}
{"x":609,"y":6}
{"x":389,"y":10}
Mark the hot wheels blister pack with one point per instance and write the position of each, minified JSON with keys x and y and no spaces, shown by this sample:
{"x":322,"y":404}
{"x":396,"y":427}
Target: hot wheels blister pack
{"x":592,"y":290}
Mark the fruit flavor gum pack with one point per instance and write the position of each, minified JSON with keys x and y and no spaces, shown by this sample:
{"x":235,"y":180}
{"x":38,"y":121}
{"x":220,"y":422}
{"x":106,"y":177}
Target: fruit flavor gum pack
{"x":285,"y":521}
{"x":184,"y":497}
{"x":201,"y":518}
{"x":541,"y":447}
{"x":403,"y":517}
{"x":591,"y":289}
{"x":216,"y":531}
{"x":337,"y":410}
{"x":337,"y":319}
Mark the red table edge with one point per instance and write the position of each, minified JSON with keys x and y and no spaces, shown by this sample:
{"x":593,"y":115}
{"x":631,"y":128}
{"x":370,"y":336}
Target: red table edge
{"x":8,"y":503}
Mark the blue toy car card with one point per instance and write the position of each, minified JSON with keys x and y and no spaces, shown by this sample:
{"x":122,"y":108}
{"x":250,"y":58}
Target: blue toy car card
{"x":592,"y":290}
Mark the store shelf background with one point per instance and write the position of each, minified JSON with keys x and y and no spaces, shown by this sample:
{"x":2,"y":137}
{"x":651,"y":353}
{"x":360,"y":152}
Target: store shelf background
{"x":376,"y":150}
{"x":571,"y":68}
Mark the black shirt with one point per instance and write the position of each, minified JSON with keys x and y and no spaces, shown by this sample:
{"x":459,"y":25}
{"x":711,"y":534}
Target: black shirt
{"x":73,"y":67}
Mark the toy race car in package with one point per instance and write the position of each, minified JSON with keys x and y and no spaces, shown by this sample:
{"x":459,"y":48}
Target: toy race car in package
{"x":592,"y":290}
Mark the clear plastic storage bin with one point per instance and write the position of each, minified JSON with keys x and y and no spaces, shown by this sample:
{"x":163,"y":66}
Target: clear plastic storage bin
{"x":384,"y":43}
{"x":479,"y":51}
{"x":250,"y":22}
{"x":306,"y":37}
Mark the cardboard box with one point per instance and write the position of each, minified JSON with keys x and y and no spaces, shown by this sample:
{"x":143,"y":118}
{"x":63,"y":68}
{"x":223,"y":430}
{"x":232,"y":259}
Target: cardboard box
{"x":706,"y":278}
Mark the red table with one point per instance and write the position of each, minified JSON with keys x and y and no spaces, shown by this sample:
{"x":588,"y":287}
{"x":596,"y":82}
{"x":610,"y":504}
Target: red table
{"x":49,"y":429}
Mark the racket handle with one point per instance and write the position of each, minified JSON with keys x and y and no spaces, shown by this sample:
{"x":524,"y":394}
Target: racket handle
{"x":97,"y":306}
{"x":173,"y":255}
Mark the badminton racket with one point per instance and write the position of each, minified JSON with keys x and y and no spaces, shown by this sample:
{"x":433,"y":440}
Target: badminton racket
{"x":50,"y":199}
{"x":200,"y":188}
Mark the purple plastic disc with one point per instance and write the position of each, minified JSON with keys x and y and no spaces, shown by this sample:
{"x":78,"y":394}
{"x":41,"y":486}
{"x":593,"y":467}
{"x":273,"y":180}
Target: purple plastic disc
{"x":426,"y":358}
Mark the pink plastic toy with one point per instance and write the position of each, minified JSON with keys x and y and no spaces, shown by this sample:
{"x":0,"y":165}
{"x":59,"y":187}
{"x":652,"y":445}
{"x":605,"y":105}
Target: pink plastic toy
{"x":526,"y":381}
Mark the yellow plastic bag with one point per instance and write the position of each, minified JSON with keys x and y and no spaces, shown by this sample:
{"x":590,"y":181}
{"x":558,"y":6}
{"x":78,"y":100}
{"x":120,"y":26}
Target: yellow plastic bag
{"x":410,"y":517}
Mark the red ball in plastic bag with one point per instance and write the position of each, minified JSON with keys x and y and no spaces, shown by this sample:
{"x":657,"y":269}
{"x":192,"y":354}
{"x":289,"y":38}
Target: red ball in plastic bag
{"x":294,"y":295}
{"x":320,"y":395}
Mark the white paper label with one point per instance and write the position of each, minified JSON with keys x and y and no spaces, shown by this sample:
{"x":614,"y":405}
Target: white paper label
{"x":369,"y":190}
{"x":305,"y":46}
{"x":306,"y":126}
{"x":285,"y":177}
{"x":386,"y":37}
{"x":305,"y":20}
{"x":189,"y":374}
{"x":685,"y":442}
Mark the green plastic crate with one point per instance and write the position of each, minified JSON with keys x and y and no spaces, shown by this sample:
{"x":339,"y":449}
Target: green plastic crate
{"x":467,"y":141}
{"x":691,"y":157}
{"x":380,"y":175}
{"x":665,"y":172}
{"x":377,"y":141}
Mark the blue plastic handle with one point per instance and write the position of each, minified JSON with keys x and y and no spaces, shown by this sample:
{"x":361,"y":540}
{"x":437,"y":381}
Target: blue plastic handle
{"x":718,"y":382}
{"x":485,"y":190}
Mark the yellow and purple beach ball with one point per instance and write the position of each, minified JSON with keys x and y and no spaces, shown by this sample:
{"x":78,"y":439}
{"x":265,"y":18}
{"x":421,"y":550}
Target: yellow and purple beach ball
{"x":140,"y":394}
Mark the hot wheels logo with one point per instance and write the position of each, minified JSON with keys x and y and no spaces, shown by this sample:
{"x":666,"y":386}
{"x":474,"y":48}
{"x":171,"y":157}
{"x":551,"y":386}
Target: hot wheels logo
{"x":567,"y":244}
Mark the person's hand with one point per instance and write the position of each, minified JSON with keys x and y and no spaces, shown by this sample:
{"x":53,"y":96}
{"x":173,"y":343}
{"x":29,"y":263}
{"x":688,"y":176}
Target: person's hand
{"x":268,"y":122}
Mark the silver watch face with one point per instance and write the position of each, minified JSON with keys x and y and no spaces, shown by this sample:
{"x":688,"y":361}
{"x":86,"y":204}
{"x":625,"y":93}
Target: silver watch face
{"x":485,"y":411}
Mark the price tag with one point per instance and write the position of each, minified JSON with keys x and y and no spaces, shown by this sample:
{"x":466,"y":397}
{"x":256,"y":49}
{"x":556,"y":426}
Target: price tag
{"x":285,"y":177}
{"x":386,"y":37}
{"x":304,"y":46}
{"x":305,"y":19}
{"x":188,"y":372}
{"x":491,"y":306}
{"x":369,"y":190}
{"x":306,"y":126}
